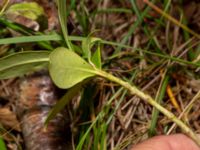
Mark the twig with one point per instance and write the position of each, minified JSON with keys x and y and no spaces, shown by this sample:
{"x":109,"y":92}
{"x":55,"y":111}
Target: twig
{"x":173,"y":99}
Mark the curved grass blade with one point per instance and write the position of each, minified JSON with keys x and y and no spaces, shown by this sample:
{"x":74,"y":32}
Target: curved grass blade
{"x":25,"y":31}
{"x":62,"y":14}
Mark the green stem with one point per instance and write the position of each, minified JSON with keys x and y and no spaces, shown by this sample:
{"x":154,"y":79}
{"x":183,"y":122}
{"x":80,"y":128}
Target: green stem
{"x":159,"y":97}
{"x":135,"y":91}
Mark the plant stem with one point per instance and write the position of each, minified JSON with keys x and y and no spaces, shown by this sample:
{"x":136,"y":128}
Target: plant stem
{"x":135,"y":91}
{"x":159,"y":98}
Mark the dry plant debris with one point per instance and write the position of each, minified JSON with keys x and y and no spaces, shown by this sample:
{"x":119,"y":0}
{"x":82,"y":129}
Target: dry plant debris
{"x":118,"y":21}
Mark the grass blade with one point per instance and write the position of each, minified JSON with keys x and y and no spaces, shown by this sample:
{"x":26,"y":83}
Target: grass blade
{"x":62,"y":14}
{"x":28,"y":39}
{"x":159,"y":97}
{"x":56,"y":37}
{"x":25,"y":31}
{"x":170,"y":18}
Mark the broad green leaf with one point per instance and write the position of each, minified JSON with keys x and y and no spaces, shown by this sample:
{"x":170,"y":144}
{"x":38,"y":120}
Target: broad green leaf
{"x":20,"y":63}
{"x":67,"y":68}
{"x":29,"y":10}
{"x":96,"y":58}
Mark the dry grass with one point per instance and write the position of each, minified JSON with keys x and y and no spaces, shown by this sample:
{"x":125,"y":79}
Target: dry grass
{"x":132,"y":119}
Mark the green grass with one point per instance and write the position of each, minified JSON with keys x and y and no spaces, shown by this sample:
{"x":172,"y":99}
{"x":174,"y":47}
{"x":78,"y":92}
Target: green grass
{"x":159,"y":98}
{"x":93,"y":131}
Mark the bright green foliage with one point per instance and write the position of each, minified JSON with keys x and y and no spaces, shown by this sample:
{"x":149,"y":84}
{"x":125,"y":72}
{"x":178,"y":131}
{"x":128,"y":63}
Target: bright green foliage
{"x":2,"y":144}
{"x":67,"y":68}
{"x":20,"y":63}
{"x":87,"y":44}
{"x":29,"y":10}
{"x":159,"y":98}
{"x":96,"y":57}
{"x":62,"y":14}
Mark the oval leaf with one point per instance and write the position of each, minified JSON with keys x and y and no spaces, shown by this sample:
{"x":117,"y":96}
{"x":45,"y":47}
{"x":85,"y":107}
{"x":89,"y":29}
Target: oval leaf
{"x":20,"y":63}
{"x":67,"y":68}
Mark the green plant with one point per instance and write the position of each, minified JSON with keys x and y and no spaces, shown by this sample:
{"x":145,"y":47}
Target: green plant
{"x":2,"y":144}
{"x":64,"y":73}
{"x":71,"y":71}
